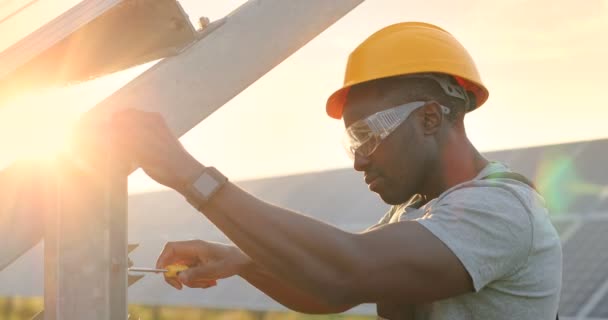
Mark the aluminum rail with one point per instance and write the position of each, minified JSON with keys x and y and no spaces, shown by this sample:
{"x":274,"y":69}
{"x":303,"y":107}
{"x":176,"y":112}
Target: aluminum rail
{"x":85,"y":231}
{"x":187,"y":88}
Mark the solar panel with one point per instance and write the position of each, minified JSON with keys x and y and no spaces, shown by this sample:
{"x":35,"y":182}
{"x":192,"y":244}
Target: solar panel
{"x":568,"y":175}
{"x":20,"y":18}
{"x":92,"y":39}
{"x":562,"y":226}
{"x":355,"y":209}
{"x":584,"y":269}
{"x":601,"y":309}
{"x":158,"y":217}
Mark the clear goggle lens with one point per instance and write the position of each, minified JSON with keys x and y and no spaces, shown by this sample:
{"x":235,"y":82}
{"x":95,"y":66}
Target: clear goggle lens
{"x":364,"y":136}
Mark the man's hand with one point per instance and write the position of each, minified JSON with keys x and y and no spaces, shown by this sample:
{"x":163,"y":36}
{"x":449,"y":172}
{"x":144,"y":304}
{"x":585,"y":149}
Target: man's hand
{"x":145,"y":138}
{"x":208,"y":261}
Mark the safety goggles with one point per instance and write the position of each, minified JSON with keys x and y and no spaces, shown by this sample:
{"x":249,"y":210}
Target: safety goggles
{"x":364,"y":136}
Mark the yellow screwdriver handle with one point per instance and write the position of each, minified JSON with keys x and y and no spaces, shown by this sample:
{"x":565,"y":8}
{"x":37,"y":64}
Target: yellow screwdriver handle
{"x":174,"y":269}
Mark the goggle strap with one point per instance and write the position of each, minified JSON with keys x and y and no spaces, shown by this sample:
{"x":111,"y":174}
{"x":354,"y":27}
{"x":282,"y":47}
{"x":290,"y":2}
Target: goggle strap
{"x":448,"y":87}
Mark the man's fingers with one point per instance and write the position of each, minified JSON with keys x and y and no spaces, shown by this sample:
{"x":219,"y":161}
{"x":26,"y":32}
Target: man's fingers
{"x":166,"y":256}
{"x":199,"y":275}
{"x":179,"y":251}
{"x":174,"y":283}
{"x":206,"y":273}
{"x":205,"y":284}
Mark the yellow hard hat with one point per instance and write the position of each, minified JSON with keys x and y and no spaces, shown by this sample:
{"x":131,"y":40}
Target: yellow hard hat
{"x":404,"y":49}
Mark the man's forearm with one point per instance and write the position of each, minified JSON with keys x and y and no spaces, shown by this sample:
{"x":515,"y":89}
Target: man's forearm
{"x":287,"y":295}
{"x":306,"y":253}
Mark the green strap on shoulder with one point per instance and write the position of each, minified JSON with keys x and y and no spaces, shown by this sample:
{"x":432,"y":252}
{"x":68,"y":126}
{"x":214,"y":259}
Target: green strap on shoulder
{"x":511,"y":175}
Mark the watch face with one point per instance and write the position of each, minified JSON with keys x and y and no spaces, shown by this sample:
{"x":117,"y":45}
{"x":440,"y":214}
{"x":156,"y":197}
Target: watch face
{"x":206,"y":184}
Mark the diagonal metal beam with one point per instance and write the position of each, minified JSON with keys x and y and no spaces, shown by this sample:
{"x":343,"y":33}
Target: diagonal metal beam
{"x":90,"y":225}
{"x":24,"y":196}
{"x":86,"y":237}
{"x":242,"y":48}
{"x":185,"y":89}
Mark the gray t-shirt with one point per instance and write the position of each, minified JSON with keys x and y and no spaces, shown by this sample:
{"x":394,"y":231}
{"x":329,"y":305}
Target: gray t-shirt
{"x":500,"y":231}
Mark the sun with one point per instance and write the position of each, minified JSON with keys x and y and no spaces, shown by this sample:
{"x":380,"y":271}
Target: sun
{"x":36,"y":126}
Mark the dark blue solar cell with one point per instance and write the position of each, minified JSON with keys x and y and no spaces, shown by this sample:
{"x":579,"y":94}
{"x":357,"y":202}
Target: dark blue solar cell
{"x":585,"y":261}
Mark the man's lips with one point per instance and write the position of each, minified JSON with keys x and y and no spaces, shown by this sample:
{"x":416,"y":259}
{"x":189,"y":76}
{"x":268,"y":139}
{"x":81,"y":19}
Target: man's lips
{"x":370,"y":178}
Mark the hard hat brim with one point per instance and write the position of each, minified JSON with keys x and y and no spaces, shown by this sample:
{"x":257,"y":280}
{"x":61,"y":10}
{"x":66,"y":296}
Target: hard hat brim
{"x":336,"y":102}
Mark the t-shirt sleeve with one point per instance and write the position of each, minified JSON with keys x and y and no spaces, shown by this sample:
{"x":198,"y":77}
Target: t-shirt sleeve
{"x":488,"y":229}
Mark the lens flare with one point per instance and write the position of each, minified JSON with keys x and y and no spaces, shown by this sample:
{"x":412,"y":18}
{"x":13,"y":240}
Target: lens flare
{"x":561,"y":184}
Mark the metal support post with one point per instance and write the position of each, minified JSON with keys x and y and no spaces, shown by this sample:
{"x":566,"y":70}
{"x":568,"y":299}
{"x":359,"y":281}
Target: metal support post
{"x":86,"y":243}
{"x":85,"y":229}
{"x":185,"y":89}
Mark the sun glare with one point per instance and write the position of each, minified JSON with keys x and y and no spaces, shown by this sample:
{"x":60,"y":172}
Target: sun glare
{"x":37,"y":126}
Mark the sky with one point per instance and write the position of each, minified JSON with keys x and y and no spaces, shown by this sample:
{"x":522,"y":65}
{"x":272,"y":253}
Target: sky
{"x":542,"y":61}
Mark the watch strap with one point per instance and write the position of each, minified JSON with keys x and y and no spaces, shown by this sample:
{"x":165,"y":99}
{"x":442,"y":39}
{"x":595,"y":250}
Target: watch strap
{"x":204,"y":187}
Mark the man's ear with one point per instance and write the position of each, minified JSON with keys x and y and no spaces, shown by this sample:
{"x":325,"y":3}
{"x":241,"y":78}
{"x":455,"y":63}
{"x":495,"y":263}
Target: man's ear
{"x":432,"y":118}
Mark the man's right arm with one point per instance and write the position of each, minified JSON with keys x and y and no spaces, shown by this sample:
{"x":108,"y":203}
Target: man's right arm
{"x":285,"y":294}
{"x":212,"y":260}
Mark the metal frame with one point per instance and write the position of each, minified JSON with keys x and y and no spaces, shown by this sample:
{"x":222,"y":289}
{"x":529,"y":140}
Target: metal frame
{"x":38,"y":41}
{"x":121,"y":34}
{"x":86,"y":235}
{"x":86,"y":243}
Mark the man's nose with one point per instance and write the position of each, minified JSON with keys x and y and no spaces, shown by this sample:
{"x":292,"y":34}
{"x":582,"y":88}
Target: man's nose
{"x":361,"y":162}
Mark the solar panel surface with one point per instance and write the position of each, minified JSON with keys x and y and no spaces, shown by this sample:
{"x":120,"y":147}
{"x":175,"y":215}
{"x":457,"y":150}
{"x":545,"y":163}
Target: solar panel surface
{"x":584,"y":270}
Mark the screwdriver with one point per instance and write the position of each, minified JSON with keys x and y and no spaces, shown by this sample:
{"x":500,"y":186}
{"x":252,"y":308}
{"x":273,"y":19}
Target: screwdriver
{"x":171,"y":271}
